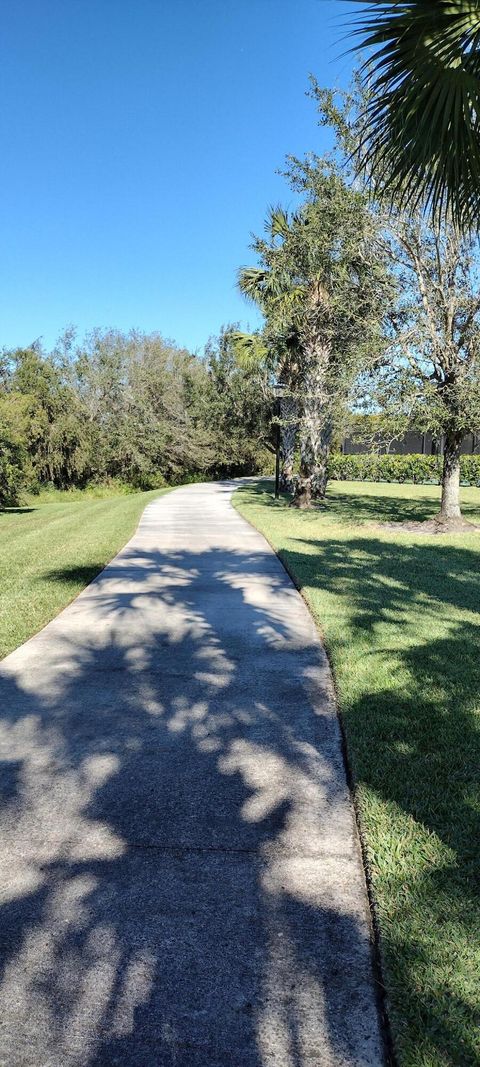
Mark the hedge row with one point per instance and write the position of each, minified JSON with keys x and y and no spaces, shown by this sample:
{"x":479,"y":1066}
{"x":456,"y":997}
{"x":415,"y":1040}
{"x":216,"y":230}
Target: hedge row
{"x":421,"y":470}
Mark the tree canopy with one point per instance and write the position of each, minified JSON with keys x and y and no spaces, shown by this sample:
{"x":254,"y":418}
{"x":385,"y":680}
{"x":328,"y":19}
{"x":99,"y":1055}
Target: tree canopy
{"x":321,"y":284}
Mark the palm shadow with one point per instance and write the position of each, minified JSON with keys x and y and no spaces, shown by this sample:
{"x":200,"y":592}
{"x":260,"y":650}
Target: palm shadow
{"x":371,"y":507}
{"x":389,"y":508}
{"x":365,"y":508}
{"x":16,"y":511}
{"x":75,"y":574}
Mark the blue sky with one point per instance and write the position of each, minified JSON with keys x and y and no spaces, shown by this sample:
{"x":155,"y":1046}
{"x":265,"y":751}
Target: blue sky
{"x":139,"y":142}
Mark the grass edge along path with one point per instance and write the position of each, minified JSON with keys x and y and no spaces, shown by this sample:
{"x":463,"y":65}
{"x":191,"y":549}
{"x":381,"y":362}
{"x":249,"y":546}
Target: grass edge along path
{"x":399,"y":614}
{"x":52,"y":548}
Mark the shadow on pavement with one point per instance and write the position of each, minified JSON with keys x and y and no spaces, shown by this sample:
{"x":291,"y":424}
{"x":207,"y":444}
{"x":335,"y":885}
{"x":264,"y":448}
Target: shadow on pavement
{"x":167,"y":859}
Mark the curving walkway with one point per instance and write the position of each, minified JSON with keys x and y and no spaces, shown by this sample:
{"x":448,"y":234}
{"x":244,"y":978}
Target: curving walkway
{"x":181,"y":882}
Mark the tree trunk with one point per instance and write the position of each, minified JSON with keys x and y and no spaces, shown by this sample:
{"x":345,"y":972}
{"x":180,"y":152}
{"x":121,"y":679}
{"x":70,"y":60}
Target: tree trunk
{"x":450,"y":505}
{"x":303,"y":493}
{"x":321,"y":475}
{"x":288,"y":436}
{"x":313,"y":398}
{"x":311,"y":481}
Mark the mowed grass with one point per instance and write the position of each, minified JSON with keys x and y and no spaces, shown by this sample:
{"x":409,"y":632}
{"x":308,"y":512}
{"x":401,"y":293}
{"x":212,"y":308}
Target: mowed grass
{"x":400,"y":615}
{"x":51,"y":548}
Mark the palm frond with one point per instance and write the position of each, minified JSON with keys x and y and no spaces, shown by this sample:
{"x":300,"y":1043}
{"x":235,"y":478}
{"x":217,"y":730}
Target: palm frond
{"x":421,"y":127}
{"x":263,"y":286}
{"x":277,"y":223}
{"x":252,"y":282}
{"x":250,"y":350}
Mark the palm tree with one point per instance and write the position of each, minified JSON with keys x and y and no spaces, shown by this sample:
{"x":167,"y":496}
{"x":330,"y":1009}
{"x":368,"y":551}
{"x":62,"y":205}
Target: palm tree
{"x":271,"y":290}
{"x":281,"y":294}
{"x":421,"y":135}
{"x":321,"y":286}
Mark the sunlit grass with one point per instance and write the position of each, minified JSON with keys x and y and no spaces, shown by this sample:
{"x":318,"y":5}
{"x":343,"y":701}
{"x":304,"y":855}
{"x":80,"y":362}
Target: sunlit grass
{"x":400,"y":614}
{"x":51,"y":548}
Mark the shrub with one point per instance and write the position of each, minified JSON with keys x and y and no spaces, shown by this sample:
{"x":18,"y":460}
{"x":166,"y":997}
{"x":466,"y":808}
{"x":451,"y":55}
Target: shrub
{"x":15,"y":470}
{"x":145,"y":480}
{"x":11,"y":473}
{"x":421,"y":470}
{"x":470,"y":469}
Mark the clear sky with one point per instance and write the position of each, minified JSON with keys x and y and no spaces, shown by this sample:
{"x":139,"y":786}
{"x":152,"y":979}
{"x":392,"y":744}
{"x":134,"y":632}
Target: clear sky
{"x":139,"y":141}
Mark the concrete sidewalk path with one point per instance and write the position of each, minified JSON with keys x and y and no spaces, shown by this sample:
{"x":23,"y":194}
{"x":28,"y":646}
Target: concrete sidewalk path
{"x":181,"y":882}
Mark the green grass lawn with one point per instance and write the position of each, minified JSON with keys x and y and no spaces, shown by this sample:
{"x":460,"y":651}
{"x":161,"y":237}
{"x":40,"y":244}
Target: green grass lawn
{"x":400,"y":615}
{"x":51,"y":548}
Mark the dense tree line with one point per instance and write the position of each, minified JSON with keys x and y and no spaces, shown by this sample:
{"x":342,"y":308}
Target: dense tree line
{"x":132,"y":407}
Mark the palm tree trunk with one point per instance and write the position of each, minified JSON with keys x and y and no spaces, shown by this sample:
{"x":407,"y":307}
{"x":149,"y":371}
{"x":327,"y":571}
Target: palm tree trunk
{"x":321,"y":477}
{"x":305,"y":481}
{"x":450,"y":505}
{"x":311,"y":481}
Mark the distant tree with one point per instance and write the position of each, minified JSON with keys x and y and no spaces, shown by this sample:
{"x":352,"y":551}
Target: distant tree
{"x":238,"y":402}
{"x":165,"y":427}
{"x":55,"y":435}
{"x":431,"y":374}
{"x":99,"y":374}
{"x":139,"y":392}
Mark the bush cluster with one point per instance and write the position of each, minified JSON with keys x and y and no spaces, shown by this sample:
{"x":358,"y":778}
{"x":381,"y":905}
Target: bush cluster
{"x":11,"y":471}
{"x":421,"y":470}
{"x":131,"y":410}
